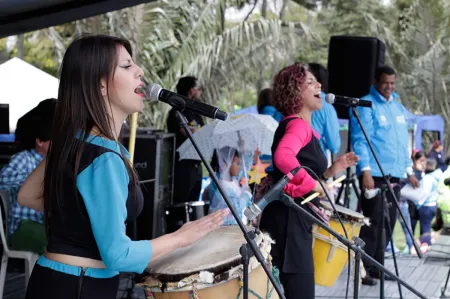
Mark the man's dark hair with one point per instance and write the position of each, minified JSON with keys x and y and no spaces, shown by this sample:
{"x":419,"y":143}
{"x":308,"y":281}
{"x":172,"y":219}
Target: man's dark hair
{"x":36,"y":123}
{"x":185,"y":84}
{"x":384,"y":69}
{"x":321,"y":74}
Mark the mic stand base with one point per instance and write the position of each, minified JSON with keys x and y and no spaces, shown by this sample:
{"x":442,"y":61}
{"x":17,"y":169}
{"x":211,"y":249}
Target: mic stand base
{"x":246,"y":254}
{"x":359,"y":243}
{"x":385,"y":205}
{"x":289,"y":201}
{"x":250,"y":242}
{"x":445,"y":286}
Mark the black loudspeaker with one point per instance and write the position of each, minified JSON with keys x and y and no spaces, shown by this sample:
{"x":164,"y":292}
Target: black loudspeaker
{"x":4,"y":119}
{"x":154,"y":155}
{"x":352,"y":62}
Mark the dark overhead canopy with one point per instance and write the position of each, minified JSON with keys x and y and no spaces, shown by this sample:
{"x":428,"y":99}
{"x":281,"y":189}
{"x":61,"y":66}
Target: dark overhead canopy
{"x":20,"y":16}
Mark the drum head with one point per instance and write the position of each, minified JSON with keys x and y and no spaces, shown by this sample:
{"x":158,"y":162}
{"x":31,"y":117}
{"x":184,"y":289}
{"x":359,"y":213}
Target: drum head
{"x":217,"y":252}
{"x":342,"y":210}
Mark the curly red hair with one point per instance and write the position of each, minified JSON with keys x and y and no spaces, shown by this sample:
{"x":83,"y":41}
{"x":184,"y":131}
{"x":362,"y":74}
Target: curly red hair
{"x":287,"y":87}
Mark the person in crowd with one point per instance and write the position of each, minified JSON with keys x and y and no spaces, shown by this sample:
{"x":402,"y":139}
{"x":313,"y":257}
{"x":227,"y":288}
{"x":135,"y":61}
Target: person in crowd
{"x":407,"y":206}
{"x":26,"y":226}
{"x":325,"y":121}
{"x":436,"y":153}
{"x":387,"y":129}
{"x":264,"y":104}
{"x":442,"y":219}
{"x":426,"y":204}
{"x":188,"y":173}
{"x":297,"y":96}
{"x":228,"y":164}
{"x":87,"y":186}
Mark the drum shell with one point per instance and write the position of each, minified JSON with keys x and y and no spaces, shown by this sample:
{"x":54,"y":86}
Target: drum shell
{"x":331,"y":256}
{"x":258,"y":282}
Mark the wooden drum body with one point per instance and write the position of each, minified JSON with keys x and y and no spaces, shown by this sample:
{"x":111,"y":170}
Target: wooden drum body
{"x":330,"y":255}
{"x":210,"y":268}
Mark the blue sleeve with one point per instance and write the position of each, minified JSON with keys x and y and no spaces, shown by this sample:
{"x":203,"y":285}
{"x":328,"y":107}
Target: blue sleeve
{"x":331,"y":132}
{"x":359,"y":143}
{"x":104,"y":188}
{"x":278,"y":116}
{"x":270,"y":110}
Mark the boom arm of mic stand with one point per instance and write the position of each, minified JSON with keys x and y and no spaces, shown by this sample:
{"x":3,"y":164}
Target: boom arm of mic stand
{"x":183,"y":123}
{"x":388,"y":183}
{"x":289,"y":201}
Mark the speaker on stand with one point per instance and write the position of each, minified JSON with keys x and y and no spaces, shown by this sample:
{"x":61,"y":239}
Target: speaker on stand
{"x":352,"y":61}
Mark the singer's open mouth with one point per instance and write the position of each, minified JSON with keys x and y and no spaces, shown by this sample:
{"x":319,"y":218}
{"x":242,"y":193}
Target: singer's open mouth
{"x":139,"y":91}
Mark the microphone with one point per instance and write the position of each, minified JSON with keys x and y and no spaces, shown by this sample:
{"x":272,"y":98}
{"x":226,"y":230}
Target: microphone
{"x":256,"y":208}
{"x":154,"y":92}
{"x":346,"y":101}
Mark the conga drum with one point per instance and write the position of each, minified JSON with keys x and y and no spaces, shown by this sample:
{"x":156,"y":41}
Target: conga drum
{"x":330,"y":255}
{"x":210,"y":268}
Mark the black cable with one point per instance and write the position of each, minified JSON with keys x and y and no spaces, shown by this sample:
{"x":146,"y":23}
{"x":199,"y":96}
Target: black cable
{"x":340,"y":221}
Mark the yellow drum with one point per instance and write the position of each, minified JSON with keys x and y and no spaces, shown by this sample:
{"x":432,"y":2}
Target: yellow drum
{"x":210,"y":268}
{"x":330,"y":255}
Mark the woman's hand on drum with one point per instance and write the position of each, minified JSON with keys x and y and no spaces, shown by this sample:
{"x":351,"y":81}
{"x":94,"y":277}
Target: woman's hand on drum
{"x":193,"y":231}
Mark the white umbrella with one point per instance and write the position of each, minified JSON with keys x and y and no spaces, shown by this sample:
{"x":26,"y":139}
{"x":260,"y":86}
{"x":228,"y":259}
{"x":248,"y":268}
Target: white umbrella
{"x":256,"y":130}
{"x":204,"y":139}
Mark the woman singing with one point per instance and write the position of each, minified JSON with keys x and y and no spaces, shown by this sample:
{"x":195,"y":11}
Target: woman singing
{"x":90,"y":189}
{"x":297,"y":95}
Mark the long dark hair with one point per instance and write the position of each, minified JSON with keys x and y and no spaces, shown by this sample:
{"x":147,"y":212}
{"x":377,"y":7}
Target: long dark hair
{"x":80,"y":108}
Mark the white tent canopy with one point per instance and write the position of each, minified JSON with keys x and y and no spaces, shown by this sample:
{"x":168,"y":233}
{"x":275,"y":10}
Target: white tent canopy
{"x":23,"y":86}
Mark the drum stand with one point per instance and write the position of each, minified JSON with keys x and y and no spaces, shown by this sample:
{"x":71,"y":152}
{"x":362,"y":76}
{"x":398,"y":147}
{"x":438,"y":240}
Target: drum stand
{"x":250,"y":246}
{"x":356,"y":247}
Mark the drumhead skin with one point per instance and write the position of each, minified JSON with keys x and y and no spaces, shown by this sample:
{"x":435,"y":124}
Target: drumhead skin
{"x":342,"y":210}
{"x":216,"y":253}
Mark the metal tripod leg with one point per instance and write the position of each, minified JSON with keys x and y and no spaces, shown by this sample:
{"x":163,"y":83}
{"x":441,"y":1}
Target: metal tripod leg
{"x":445,"y":286}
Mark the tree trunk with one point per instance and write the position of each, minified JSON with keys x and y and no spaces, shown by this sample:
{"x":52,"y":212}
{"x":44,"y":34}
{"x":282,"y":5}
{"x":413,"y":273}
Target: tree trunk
{"x":20,"y":46}
{"x":260,"y":82}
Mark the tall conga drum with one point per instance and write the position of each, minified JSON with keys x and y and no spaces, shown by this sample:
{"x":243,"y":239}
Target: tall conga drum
{"x":330,"y":255}
{"x":210,"y":268}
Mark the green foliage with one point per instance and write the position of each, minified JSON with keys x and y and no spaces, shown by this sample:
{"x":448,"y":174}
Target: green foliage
{"x":233,"y":59}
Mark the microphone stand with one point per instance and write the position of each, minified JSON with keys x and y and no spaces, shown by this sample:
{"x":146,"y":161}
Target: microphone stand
{"x":391,"y":190}
{"x":382,"y":237}
{"x":356,"y":247}
{"x":250,"y":247}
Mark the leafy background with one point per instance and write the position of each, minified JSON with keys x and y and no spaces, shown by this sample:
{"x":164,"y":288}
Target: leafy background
{"x":236,"y":46}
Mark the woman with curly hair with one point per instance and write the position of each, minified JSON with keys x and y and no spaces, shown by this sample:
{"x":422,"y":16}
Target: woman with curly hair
{"x":297,"y":95}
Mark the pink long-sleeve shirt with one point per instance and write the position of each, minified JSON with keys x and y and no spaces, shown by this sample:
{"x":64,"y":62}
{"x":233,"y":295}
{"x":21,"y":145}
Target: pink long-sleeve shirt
{"x":297,"y":135}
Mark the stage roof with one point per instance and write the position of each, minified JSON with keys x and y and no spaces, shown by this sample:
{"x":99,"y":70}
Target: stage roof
{"x":20,"y":16}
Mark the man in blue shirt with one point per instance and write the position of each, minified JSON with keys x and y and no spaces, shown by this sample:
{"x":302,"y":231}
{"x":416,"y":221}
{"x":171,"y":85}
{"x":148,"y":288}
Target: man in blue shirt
{"x":325,"y":121}
{"x":387,"y":128}
{"x":26,"y":228}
